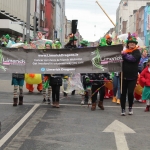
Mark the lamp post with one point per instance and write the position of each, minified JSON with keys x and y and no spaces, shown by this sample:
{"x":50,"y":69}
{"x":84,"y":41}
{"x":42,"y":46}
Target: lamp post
{"x":28,"y":22}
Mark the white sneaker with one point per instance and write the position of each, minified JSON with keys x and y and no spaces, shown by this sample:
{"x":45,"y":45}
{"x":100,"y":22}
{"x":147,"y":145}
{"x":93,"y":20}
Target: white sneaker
{"x":123,"y":113}
{"x":130,"y":111}
{"x":82,"y":102}
{"x":89,"y":102}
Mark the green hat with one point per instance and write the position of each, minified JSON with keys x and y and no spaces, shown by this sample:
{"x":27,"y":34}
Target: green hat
{"x":49,"y":43}
{"x":75,"y":38}
{"x":132,"y":38}
{"x":144,"y":49}
{"x":7,"y":36}
{"x":58,"y":44}
{"x":102,"y":42}
{"x":84,"y":42}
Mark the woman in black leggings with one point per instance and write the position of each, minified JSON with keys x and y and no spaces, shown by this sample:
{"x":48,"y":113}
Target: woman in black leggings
{"x":56,"y":82}
{"x":131,"y":58}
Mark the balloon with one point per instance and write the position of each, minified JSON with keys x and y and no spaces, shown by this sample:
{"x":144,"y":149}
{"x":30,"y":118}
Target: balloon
{"x":33,"y":78}
{"x":137,"y":97}
{"x":138,"y":89}
{"x":109,"y":85}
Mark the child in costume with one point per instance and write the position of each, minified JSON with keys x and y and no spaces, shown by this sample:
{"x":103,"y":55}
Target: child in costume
{"x":145,"y":81}
{"x":46,"y":80}
{"x":32,"y":79}
{"x":18,"y":80}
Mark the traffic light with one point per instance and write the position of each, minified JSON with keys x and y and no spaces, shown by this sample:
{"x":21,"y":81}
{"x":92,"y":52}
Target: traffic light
{"x":36,"y":24}
{"x":74,"y":26}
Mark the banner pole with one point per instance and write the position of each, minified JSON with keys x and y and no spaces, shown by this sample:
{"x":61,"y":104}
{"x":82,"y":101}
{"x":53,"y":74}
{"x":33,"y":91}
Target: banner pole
{"x":121,"y":81}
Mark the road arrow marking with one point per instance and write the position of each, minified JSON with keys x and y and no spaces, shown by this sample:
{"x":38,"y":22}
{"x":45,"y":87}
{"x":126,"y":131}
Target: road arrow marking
{"x":119,"y":129}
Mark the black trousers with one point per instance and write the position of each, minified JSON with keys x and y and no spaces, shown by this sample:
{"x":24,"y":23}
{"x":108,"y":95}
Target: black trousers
{"x":127,"y":86}
{"x":101,"y":92}
{"x":55,"y":93}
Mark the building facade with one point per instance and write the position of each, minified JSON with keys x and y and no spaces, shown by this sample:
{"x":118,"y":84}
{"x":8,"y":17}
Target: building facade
{"x":16,"y":11}
{"x":49,"y":18}
{"x":147,"y":25}
{"x":126,"y":8}
{"x":59,"y":20}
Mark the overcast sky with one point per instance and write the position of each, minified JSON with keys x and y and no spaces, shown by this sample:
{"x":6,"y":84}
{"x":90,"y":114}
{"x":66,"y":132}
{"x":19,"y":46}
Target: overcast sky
{"x":92,"y":22}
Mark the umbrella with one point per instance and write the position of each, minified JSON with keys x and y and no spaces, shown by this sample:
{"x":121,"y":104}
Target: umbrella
{"x":123,"y":37}
{"x":17,"y":45}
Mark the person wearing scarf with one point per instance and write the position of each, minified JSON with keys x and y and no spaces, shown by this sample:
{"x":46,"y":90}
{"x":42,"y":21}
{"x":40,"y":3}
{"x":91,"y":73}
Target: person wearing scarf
{"x":46,"y":80}
{"x":131,"y":58}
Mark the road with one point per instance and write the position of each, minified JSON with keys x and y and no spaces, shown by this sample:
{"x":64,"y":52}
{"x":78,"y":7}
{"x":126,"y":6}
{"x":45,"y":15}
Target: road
{"x":38,"y":126}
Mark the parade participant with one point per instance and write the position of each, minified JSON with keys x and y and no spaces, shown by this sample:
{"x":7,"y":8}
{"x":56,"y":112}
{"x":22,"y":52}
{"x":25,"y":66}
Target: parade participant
{"x":46,"y":80}
{"x":107,"y":41}
{"x":32,"y":79}
{"x":58,"y":44}
{"x":98,"y":83}
{"x":55,"y":83}
{"x":72,"y":44}
{"x":87,"y":85}
{"x":145,"y":81}
{"x":18,"y":80}
{"x":84,"y":43}
{"x":3,"y":41}
{"x":8,"y":41}
{"x":143,"y":60}
{"x":131,"y":58}
{"x":84,"y":79}
{"x":116,"y":88}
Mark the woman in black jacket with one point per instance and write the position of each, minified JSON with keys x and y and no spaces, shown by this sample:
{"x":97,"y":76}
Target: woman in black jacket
{"x":131,"y":58}
{"x":55,"y":83}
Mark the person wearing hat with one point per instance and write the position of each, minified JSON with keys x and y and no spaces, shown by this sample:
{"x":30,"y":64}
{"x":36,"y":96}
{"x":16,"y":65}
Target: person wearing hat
{"x":46,"y":80}
{"x":145,"y":82}
{"x":71,"y":44}
{"x":84,"y":43}
{"x":106,"y":41}
{"x":131,"y":58}
{"x":58,"y":44}
{"x":3,"y":41}
{"x":8,"y":41}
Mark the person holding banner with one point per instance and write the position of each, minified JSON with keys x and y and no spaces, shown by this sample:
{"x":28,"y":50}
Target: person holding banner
{"x":131,"y":58}
{"x":98,"y":85}
{"x":107,"y":41}
{"x":71,"y":44}
{"x":46,"y":80}
{"x":55,"y":83}
{"x":18,"y":80}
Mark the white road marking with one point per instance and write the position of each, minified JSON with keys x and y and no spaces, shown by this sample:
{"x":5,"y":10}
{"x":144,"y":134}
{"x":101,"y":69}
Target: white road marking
{"x":13,"y":130}
{"x":24,"y":133}
{"x":76,"y":105}
{"x":119,"y":129}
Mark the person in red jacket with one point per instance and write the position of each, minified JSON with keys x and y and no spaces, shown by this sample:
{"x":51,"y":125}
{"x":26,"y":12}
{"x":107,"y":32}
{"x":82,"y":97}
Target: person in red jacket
{"x":145,"y":82}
